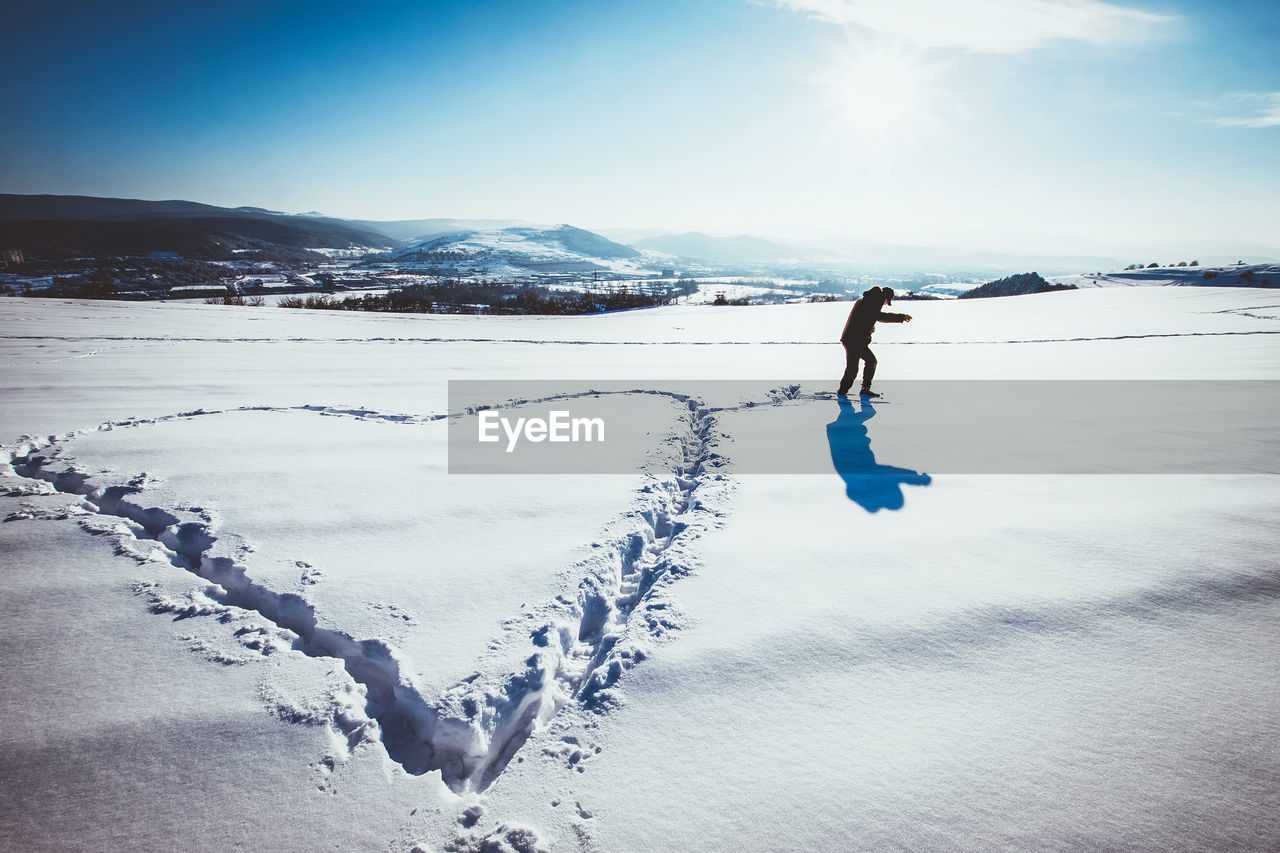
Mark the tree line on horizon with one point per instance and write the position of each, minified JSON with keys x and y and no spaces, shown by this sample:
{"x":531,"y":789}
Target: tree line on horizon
{"x":458,"y":297}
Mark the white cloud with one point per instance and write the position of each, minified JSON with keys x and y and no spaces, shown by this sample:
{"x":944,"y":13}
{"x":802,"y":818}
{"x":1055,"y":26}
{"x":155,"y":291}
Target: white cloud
{"x":1268,"y":116}
{"x":987,"y":26}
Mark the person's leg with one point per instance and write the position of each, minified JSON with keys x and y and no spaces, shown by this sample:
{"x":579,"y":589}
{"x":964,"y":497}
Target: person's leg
{"x":850,"y":369}
{"x":869,"y":371}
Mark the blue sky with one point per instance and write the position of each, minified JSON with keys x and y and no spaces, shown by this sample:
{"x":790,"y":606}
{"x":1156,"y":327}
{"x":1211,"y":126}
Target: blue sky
{"x":1037,"y":125}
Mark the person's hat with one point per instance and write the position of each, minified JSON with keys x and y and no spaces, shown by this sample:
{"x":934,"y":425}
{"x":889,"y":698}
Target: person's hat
{"x":888,"y":295}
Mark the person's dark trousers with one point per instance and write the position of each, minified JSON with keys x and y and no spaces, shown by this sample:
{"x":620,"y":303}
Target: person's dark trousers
{"x":853,"y":353}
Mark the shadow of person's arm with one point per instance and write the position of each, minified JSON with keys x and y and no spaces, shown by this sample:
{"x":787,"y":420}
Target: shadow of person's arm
{"x":903,"y":475}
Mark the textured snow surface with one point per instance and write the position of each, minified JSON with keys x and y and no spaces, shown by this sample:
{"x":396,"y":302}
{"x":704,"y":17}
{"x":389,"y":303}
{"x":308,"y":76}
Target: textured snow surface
{"x":245,"y":606}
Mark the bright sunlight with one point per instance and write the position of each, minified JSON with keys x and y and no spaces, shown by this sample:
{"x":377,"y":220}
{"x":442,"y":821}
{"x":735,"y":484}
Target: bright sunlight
{"x":879,"y":92}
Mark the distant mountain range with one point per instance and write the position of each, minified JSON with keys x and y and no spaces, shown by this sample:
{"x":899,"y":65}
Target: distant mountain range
{"x":86,"y":226}
{"x":94,"y":209}
{"x":80,"y":226}
{"x":423,"y":230}
{"x":53,"y":227}
{"x":519,"y":250}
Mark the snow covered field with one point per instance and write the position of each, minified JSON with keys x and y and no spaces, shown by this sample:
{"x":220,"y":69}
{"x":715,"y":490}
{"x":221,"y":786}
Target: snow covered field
{"x":247,"y":607}
{"x":1235,"y":275}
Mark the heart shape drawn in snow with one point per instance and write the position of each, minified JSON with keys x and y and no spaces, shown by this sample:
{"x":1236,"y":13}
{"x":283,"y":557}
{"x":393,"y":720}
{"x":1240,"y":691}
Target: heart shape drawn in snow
{"x":614,"y":603}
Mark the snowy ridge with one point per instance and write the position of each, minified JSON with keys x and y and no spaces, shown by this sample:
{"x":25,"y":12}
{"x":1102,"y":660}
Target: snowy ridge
{"x":474,"y":730}
{"x":517,"y":251}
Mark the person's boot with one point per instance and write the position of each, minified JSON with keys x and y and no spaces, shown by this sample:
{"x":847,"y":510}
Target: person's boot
{"x":867,"y":392}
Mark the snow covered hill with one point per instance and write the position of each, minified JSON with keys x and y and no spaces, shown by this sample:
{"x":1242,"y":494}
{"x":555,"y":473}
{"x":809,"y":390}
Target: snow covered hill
{"x":520,"y":250}
{"x":247,"y":606}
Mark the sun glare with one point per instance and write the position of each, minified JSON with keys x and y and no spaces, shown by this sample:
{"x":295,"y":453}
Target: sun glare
{"x":880,"y":93}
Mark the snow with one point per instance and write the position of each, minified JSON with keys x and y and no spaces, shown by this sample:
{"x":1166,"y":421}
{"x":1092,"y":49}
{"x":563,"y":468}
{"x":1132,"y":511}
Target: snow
{"x":512,"y":252}
{"x":246,"y":605}
{"x":709,"y":292}
{"x":351,"y":252}
{"x":1235,"y":275}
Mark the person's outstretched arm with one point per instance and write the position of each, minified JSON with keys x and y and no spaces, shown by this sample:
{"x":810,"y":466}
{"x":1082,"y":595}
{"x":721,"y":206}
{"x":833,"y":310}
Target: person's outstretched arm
{"x":888,"y":317}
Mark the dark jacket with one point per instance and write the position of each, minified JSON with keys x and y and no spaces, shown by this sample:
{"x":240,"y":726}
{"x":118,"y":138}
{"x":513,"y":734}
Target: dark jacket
{"x":862,"y":320}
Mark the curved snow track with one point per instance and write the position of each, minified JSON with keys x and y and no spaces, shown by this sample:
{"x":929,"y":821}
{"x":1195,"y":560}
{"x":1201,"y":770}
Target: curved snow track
{"x":595,"y":632}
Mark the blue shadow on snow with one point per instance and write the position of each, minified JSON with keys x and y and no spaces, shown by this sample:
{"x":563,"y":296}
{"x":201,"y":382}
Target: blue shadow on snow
{"x":872,"y":486}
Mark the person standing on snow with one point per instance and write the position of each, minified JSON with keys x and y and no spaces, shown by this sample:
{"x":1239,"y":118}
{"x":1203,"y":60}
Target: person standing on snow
{"x":856,"y":337}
